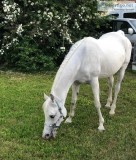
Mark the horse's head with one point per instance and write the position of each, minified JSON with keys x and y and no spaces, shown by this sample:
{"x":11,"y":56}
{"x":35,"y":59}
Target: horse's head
{"x":54,"y":112}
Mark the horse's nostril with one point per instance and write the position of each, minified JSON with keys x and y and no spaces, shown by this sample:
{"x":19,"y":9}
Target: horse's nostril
{"x":47,"y":135}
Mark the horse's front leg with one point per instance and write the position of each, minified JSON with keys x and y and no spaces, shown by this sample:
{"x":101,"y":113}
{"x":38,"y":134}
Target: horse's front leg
{"x":109,"y":100}
{"x":75,"y":91}
{"x":95,"y":89}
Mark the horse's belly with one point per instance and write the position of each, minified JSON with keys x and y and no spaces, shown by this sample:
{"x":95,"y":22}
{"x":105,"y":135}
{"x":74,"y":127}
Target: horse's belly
{"x":111,"y":65}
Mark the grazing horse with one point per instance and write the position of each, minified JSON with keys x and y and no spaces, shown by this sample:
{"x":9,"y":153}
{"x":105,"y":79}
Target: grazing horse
{"x":88,"y":60}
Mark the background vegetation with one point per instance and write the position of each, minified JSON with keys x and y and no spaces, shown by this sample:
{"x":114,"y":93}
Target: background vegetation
{"x":37,"y":34}
{"x":22,"y":119}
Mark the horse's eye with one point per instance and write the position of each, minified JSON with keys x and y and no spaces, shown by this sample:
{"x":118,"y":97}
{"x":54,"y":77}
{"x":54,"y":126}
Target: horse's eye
{"x":52,"y":116}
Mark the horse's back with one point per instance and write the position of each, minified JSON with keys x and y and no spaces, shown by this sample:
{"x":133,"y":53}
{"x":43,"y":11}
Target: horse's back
{"x":114,"y":55}
{"x":105,"y":56}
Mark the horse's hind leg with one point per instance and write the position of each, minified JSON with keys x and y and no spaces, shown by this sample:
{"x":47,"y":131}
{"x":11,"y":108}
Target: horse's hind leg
{"x":75,"y":91}
{"x":95,"y":89}
{"x":117,"y":88}
{"x":109,"y":100}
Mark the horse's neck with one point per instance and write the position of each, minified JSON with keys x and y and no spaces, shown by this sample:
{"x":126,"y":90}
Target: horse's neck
{"x":61,"y":86}
{"x":63,"y":81}
{"x":67,"y":73}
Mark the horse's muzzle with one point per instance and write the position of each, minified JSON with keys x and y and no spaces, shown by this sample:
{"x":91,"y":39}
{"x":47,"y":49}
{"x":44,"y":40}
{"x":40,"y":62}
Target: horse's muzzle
{"x":47,"y":136}
{"x":51,"y":135}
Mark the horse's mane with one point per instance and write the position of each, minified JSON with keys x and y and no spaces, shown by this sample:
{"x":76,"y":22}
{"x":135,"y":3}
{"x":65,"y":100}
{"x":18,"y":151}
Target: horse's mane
{"x":67,"y":58}
{"x":69,"y":55}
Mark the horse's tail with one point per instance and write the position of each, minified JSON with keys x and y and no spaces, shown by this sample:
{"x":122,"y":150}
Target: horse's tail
{"x":121,"y":32}
{"x":128,"y":48}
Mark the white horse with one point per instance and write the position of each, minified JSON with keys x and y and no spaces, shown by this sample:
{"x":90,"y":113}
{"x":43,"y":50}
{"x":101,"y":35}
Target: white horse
{"x":88,"y":60}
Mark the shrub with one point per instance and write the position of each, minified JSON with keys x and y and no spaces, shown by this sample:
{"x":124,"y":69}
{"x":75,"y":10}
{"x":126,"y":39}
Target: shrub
{"x":26,"y":56}
{"x":36,"y":34}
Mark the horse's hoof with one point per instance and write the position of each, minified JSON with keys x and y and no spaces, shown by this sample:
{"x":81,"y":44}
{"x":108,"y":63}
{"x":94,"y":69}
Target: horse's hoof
{"x":107,"y":106}
{"x":101,"y":128}
{"x":68,"y":120}
{"x":111,"y":113}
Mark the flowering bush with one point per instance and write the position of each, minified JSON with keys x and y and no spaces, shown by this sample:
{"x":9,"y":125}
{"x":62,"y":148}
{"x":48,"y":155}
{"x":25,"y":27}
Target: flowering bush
{"x":36,"y":34}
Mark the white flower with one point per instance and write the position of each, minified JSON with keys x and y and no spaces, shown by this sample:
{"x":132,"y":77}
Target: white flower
{"x":11,"y":10}
{"x":32,"y":3}
{"x":6,"y":8}
{"x":62,"y":49}
{"x":19,"y":30}
{"x":44,"y":13}
{"x":50,"y":14}
{"x":7,"y":46}
{"x":18,"y":9}
{"x":15,"y":40}
{"x":38,"y":22}
{"x":1,"y":51}
{"x":58,"y":17}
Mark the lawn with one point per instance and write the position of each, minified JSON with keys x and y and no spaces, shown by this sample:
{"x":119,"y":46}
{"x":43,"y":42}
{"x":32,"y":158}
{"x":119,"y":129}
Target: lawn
{"x":21,"y":118}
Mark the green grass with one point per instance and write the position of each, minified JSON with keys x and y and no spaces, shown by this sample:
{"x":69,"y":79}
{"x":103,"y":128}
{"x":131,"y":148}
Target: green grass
{"x":21,"y":115}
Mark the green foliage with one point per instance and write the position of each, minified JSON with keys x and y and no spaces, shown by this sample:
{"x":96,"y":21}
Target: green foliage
{"x":52,"y":27}
{"x":26,"y":56}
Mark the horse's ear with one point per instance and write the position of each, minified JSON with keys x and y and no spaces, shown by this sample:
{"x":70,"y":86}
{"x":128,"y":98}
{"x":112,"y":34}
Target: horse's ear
{"x":52,"y":97}
{"x":45,"y":97}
